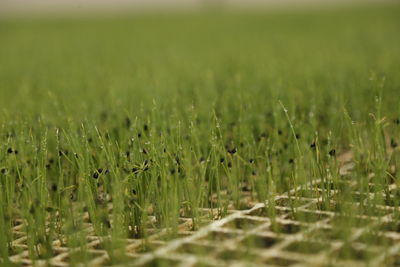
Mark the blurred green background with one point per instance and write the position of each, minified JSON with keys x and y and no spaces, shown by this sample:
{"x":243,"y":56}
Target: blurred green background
{"x":315,"y":61}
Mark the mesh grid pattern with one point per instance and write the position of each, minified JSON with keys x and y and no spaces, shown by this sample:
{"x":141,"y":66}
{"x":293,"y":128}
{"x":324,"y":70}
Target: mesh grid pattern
{"x":304,"y":237}
{"x":97,"y":255}
{"x":300,"y":233}
{"x":95,"y":251}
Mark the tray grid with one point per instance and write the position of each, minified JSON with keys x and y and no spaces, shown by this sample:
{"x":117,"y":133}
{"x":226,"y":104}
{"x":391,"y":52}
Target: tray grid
{"x":250,"y":237}
{"x":301,"y":233}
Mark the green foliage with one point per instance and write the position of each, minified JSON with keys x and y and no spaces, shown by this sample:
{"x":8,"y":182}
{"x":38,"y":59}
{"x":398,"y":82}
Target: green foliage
{"x":163,"y":115}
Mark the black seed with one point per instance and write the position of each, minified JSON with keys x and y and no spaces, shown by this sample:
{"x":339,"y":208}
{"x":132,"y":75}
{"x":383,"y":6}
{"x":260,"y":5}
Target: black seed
{"x":229,"y":164}
{"x":313,"y":145}
{"x":144,"y":151}
{"x":291,"y":161}
{"x":393,"y":143}
{"x":49,"y":209}
{"x":165,"y":151}
{"x":396,"y":121}
{"x":145,"y":127}
{"x":178,"y":161}
{"x":90,"y":140}
{"x":251,"y":160}
{"x":172,"y":171}
{"x":280,"y":132}
{"x":48,"y":166}
{"x":232,"y":151}
{"x":202,"y":159}
{"x":222,"y":160}
{"x":297,"y":136}
{"x":95,"y":175}
{"x":100,"y":170}
{"x":139,"y":135}
{"x":54,"y":187}
{"x":3,"y":171}
{"x":9,"y":150}
{"x":134,"y":191}
{"x":253,"y":173}
{"x":127,"y":154}
{"x":332,"y":153}
{"x":134,"y":169}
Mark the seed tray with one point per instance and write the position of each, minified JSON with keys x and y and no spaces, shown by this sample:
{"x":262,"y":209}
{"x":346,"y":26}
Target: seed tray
{"x":301,"y":236}
{"x":296,"y":228}
{"x":95,"y":252}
